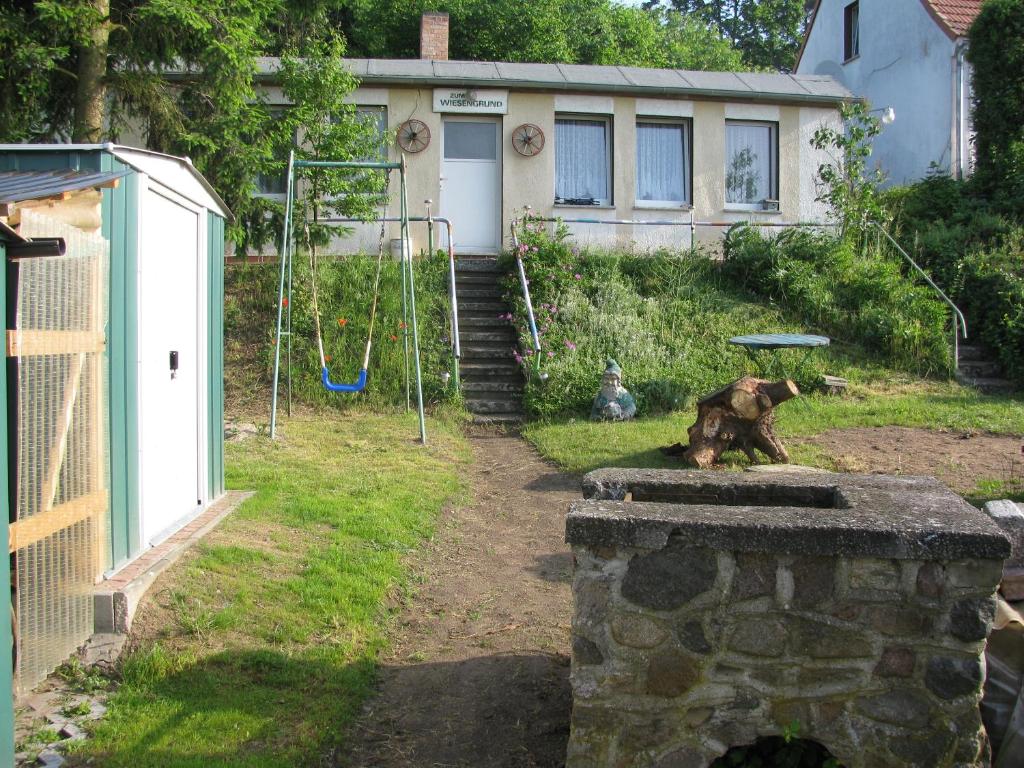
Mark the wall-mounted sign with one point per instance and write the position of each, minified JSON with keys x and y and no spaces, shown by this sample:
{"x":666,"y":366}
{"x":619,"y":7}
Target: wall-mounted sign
{"x":471,"y":101}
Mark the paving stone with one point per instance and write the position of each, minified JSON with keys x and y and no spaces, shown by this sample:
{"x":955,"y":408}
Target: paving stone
{"x":901,"y":707}
{"x":691,"y":636}
{"x":813,"y":581}
{"x":682,"y":758}
{"x":586,"y":652}
{"x":983,"y":574}
{"x":872,"y":573}
{"x":949,"y":678}
{"x":671,"y":673}
{"x":824,"y":641}
{"x":73,"y":732}
{"x":635,"y":630}
{"x":755,"y":576}
{"x":759,"y":638}
{"x":896,"y":662}
{"x":931,"y":580}
{"x":50,"y":758}
{"x":971,"y":619}
{"x":669,"y":578}
{"x":899,"y":620}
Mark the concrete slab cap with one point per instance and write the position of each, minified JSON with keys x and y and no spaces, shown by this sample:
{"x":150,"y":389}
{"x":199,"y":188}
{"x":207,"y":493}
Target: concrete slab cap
{"x":770,"y":82}
{"x":586,"y":74}
{"x":656,"y":78}
{"x":530,"y":73}
{"x":1010,"y":518}
{"x":466,"y":70}
{"x":719,"y":81}
{"x":399,"y":68}
{"x":798,"y":513}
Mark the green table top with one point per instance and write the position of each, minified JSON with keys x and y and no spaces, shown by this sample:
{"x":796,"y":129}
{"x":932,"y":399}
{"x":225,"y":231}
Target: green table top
{"x":779,"y":340}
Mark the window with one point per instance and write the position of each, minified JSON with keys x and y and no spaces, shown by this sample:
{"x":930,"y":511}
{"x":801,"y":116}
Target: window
{"x":583,"y":161}
{"x":378,"y":117}
{"x":851,"y":31}
{"x":662,"y":163}
{"x":275,"y":185}
{"x":751,"y":164}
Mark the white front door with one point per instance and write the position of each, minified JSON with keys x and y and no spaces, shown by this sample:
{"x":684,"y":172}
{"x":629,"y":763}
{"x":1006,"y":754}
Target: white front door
{"x":168,"y":364}
{"x":471,"y":183}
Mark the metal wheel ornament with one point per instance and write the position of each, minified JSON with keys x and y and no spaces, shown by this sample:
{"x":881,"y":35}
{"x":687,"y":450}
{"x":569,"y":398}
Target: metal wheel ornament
{"x":528,"y":140}
{"x":413,"y":136}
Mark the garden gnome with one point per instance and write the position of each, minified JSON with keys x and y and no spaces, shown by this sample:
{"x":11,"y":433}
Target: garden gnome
{"x":613,"y":402}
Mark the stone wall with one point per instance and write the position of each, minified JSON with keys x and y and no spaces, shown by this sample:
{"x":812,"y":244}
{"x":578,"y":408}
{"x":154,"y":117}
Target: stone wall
{"x":854,"y":606}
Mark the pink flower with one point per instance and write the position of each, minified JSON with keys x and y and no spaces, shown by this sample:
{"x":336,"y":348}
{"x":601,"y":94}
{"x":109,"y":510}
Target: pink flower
{"x":578,"y":276}
{"x":570,"y":346}
{"x":551,"y":354}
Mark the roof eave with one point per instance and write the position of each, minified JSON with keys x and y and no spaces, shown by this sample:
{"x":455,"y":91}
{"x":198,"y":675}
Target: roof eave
{"x":643,"y":90}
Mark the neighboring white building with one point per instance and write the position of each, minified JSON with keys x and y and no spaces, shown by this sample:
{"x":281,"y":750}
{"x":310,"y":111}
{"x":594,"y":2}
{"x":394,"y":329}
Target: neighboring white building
{"x":908,"y":55}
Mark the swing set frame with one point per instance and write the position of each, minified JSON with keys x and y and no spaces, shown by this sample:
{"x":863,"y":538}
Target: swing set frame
{"x":284,"y":293}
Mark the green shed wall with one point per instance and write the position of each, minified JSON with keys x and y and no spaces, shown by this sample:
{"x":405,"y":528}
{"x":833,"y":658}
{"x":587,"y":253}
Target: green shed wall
{"x":215,"y":399}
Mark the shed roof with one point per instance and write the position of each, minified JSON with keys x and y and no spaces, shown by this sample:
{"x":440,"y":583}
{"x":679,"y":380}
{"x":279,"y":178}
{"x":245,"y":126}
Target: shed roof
{"x":170,"y":169}
{"x":16,"y":186}
{"x":756,"y":86}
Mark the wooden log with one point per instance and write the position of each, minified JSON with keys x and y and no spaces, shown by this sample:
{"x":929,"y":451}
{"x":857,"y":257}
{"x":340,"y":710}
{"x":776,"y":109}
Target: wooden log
{"x":740,"y":415}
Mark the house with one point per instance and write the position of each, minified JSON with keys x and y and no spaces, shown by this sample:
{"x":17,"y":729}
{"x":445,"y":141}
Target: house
{"x":484,"y":140}
{"x":115,"y":361}
{"x":908,"y":55}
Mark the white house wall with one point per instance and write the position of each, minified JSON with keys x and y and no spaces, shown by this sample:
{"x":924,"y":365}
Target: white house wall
{"x":906,"y":61}
{"x":530,"y":181}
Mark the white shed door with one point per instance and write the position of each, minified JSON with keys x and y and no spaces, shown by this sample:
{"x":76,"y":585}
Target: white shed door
{"x":471,"y":183}
{"x":168,"y":399}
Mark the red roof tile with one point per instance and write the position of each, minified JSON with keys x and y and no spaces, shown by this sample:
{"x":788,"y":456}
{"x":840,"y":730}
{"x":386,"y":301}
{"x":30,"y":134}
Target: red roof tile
{"x":955,"y":15}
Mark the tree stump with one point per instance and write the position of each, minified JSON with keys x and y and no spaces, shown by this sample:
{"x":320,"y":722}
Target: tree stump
{"x":741,"y":416}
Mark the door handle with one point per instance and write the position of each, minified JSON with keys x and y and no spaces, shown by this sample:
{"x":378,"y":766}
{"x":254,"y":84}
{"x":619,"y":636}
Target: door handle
{"x":174,"y":363}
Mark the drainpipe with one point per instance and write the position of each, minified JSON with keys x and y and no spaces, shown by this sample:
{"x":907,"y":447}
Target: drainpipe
{"x":959,"y":86}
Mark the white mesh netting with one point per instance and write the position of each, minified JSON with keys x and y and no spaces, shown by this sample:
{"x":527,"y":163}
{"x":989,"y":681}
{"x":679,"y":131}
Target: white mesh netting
{"x":60,"y":485}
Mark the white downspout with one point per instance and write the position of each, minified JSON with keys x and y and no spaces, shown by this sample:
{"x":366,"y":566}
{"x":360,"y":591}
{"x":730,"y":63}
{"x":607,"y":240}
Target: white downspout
{"x":960,"y":115}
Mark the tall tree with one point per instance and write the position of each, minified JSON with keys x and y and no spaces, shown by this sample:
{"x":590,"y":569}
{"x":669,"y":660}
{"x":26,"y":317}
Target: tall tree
{"x":767,"y":32}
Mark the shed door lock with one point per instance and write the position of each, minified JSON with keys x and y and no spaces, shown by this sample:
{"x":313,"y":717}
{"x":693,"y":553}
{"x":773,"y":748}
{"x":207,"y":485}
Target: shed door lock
{"x":174,"y":363}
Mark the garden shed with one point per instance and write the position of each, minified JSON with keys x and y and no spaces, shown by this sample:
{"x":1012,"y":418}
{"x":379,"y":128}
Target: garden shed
{"x":151,"y":337}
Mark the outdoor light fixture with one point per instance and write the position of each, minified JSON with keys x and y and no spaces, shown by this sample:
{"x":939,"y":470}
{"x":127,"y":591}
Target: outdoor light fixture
{"x":888,"y":114}
{"x":445,"y":376}
{"x":543,"y":376}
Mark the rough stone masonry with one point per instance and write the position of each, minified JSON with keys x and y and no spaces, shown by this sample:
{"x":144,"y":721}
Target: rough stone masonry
{"x":715,"y":608}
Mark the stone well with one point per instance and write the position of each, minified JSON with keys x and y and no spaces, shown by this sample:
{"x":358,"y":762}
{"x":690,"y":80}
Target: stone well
{"x":714,"y":608}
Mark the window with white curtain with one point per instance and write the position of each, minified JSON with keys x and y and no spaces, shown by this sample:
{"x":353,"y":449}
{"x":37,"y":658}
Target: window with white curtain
{"x":751,"y":164}
{"x":583,"y":161}
{"x":662,"y":163}
{"x":275,"y":185}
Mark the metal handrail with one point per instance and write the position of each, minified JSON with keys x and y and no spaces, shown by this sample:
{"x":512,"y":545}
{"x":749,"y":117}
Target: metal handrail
{"x":525,"y":284}
{"x":957,"y":314}
{"x":452,"y":295}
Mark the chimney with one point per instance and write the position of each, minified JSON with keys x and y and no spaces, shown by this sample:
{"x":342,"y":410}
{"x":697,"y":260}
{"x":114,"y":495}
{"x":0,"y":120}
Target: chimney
{"x":434,"y":36}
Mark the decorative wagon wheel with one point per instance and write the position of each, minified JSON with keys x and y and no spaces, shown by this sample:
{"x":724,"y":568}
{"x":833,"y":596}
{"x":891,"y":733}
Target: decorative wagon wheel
{"x":413,"y":136}
{"x":528,"y":139}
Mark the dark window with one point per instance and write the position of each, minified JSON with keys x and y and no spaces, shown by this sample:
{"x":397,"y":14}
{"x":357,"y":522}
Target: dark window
{"x":851,"y":31}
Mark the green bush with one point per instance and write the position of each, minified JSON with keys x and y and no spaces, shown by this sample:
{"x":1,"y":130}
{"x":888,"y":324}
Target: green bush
{"x":862,"y":299}
{"x":345,"y":288}
{"x":666,"y":318}
{"x":974,"y":253}
{"x":996,"y":54}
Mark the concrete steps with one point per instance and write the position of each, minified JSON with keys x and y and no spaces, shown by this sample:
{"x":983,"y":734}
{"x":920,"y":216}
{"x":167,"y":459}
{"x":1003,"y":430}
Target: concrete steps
{"x":492,"y":381}
{"x":978,"y":371}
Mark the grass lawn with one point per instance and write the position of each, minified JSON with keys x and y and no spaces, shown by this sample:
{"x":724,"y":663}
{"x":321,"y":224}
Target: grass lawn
{"x":260,"y":645}
{"x":580,"y":445}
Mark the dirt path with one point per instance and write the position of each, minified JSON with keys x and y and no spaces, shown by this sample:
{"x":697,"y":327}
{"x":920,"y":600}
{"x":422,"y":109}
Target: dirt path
{"x":479,"y":674}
